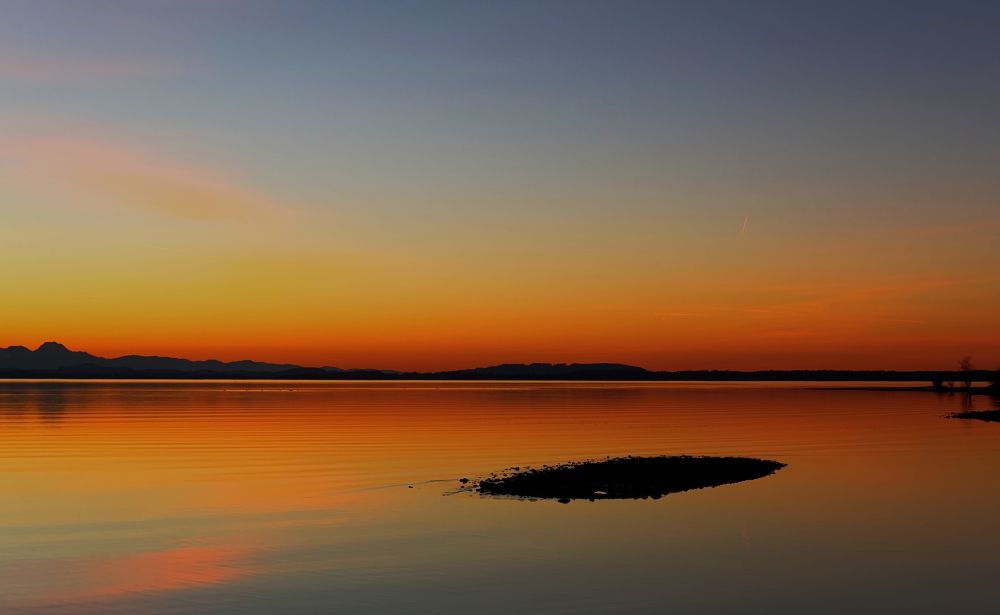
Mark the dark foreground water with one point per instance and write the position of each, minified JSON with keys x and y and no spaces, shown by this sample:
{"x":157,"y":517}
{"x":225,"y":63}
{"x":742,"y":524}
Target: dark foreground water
{"x":248,"y":498}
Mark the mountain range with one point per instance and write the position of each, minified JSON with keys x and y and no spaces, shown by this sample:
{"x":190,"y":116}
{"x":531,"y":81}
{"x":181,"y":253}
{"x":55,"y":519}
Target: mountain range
{"x":53,"y":360}
{"x":53,"y":356}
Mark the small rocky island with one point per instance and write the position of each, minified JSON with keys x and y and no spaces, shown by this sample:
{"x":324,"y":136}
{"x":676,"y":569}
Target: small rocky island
{"x":625,"y":477}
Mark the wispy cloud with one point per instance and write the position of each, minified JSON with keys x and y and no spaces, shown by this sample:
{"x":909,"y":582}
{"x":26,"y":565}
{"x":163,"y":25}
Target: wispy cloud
{"x":911,"y":288}
{"x":101,"y":174}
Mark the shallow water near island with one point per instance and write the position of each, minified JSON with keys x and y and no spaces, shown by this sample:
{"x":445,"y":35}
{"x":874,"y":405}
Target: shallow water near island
{"x":250,"y":497}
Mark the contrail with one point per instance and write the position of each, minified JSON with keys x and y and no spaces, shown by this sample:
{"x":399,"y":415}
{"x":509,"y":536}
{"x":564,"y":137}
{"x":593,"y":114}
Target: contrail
{"x":744,"y":225}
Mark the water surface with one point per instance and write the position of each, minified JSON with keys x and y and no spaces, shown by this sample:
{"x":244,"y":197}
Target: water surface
{"x":237,"y":497}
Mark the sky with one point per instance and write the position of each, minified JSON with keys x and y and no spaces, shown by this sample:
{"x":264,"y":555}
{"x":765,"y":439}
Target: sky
{"x":440,"y":185}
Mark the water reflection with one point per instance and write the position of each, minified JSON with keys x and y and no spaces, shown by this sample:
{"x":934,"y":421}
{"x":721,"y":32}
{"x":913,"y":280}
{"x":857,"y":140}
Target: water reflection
{"x":46,"y":400}
{"x":229,"y":498}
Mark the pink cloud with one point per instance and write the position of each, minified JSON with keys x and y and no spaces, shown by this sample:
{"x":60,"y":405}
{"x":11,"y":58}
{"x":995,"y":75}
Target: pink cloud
{"x":97,"y":174}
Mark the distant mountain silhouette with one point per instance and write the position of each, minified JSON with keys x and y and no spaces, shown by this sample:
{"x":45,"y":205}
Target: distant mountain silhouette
{"x":53,"y":360}
{"x":520,"y":371}
{"x":54,"y":356}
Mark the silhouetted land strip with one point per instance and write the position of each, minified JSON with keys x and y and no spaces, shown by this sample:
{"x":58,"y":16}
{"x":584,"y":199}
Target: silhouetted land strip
{"x":92,"y":371}
{"x":991,"y":416}
{"x":52,"y":360}
{"x":957,"y":390}
{"x":627,"y":477}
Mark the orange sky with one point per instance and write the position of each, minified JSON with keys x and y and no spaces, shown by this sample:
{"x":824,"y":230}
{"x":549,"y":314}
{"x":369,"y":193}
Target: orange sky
{"x":120,"y":253}
{"x":379,"y":207}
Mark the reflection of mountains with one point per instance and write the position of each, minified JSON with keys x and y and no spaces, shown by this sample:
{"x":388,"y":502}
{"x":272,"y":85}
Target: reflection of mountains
{"x":53,"y":360}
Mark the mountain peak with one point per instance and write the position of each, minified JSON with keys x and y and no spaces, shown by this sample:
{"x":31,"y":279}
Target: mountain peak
{"x":52,"y":347}
{"x":54,"y":356}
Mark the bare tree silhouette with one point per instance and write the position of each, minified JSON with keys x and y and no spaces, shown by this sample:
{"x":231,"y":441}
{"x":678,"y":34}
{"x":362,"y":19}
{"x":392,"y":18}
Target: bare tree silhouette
{"x":968,"y":370}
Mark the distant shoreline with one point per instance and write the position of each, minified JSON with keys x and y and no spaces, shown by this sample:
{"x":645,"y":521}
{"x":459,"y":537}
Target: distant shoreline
{"x":53,"y":361}
{"x":975,"y":390}
{"x":482,"y":375}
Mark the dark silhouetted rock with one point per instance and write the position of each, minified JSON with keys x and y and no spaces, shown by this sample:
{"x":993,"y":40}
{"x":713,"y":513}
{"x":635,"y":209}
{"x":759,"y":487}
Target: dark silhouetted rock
{"x":628,"y":477}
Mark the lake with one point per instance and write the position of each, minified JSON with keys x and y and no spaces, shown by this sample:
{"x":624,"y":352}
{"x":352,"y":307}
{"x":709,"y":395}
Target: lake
{"x":303,"y":497}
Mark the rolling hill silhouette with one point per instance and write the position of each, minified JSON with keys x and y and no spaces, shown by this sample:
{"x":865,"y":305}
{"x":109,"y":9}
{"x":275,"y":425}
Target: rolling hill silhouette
{"x":53,"y":356}
{"x":53,"y":360}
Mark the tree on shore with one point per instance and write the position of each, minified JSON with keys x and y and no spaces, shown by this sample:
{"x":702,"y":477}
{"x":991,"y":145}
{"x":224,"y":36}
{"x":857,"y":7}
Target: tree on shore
{"x":968,"y":370}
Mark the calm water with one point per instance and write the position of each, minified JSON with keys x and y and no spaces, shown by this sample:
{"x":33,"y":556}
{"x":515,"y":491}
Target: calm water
{"x":253,"y":498}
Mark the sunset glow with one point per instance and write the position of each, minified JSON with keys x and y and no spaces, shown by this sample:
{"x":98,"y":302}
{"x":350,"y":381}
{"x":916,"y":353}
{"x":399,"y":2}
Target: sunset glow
{"x":425,"y":194}
{"x":532,"y":306}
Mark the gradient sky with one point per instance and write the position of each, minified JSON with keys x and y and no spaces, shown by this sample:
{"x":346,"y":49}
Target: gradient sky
{"x":430,"y":185}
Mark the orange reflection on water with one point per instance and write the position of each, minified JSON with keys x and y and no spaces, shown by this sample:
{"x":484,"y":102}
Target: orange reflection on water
{"x":163,"y":570}
{"x":135,"y":488}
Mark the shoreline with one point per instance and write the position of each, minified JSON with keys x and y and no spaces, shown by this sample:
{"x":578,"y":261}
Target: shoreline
{"x":980,"y":390}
